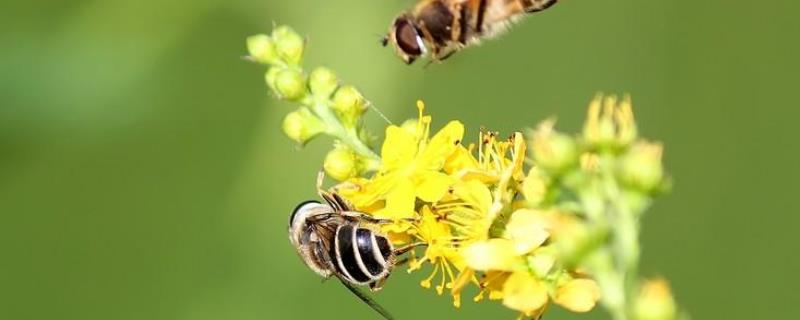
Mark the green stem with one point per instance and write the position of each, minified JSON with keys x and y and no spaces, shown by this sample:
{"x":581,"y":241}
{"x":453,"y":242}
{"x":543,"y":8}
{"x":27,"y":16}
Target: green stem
{"x":347,"y":136}
{"x":616,"y":268}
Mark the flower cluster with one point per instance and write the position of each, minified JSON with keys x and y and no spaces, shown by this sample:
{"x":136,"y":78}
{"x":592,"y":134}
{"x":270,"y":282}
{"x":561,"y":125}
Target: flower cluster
{"x":326,"y":106}
{"x":530,"y":219}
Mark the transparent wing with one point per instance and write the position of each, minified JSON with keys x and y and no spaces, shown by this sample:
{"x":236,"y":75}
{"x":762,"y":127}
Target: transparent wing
{"x":367,"y":299}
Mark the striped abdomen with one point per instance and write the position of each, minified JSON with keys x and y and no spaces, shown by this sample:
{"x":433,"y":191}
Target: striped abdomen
{"x":467,"y":21}
{"x":360,"y":255}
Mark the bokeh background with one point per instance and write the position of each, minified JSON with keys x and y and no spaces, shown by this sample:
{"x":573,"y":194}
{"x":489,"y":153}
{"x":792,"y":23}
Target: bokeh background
{"x":143,"y":173}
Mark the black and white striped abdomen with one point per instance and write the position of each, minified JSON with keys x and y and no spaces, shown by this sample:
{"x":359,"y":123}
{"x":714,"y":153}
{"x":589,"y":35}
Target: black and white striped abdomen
{"x":360,"y":255}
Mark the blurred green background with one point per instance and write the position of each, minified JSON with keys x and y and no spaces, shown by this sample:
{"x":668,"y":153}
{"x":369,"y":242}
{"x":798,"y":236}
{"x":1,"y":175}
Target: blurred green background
{"x":143,"y":173}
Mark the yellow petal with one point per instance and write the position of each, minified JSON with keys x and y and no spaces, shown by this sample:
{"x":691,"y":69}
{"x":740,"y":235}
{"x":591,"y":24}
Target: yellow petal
{"x":578,"y":295}
{"x":460,"y":159}
{"x":524,"y":293}
{"x":474,"y":193}
{"x":492,"y":254}
{"x":441,"y":146}
{"x":365,"y":193}
{"x":399,"y":201}
{"x":534,"y":187}
{"x":492,"y":283}
{"x":431,"y":186}
{"x":485,"y":176}
{"x":398,"y":149}
{"x":527,"y":229}
{"x":542,"y":260}
{"x":431,"y":229}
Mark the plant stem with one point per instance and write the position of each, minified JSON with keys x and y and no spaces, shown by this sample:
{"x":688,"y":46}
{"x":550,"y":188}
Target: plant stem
{"x":347,"y":136}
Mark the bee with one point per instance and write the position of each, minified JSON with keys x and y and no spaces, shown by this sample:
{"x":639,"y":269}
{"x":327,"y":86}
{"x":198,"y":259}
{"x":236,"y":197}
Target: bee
{"x":334,"y":240}
{"x":440,"y":28}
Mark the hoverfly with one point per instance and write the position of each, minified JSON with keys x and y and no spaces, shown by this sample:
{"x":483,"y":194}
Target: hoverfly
{"x":336,"y":241}
{"x":440,"y":28}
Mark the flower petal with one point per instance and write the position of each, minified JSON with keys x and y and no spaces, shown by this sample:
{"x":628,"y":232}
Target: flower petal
{"x":398,"y":149}
{"x":492,"y":254}
{"x":528,"y":229}
{"x":399,"y":201}
{"x":460,"y":159}
{"x":542,"y":260}
{"x":431,"y":229}
{"x":578,"y":295}
{"x":475,"y":194}
{"x":441,"y":146}
{"x":432,"y":186}
{"x":524,"y":293}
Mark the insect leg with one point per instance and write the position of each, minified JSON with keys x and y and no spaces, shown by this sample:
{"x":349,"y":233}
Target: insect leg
{"x":367,"y":299}
{"x":371,"y":219}
{"x":378,"y":285}
{"x":407,"y":248}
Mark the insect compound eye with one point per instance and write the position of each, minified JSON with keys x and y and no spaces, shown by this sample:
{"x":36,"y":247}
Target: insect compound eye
{"x":301,"y":208}
{"x":406,"y":36}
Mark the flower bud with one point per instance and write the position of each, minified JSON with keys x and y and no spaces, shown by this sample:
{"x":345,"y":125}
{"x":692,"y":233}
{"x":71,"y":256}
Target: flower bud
{"x":322,"y":82}
{"x":290,"y":84}
{"x":349,"y":104}
{"x":289,"y":44}
{"x":270,"y":76}
{"x":609,"y":125}
{"x":261,"y":48}
{"x":655,"y":302}
{"x":301,"y":125}
{"x":578,"y":295}
{"x":534,"y":187}
{"x":641,"y":167}
{"x":571,"y":238}
{"x":341,"y":163}
{"x":553,"y":151}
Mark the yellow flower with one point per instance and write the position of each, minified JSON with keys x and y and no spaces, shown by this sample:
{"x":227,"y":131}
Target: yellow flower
{"x":578,"y":295}
{"x":440,"y":251}
{"x":494,"y":157}
{"x":524,"y":293}
{"x":410,"y":169}
{"x":466,"y":209}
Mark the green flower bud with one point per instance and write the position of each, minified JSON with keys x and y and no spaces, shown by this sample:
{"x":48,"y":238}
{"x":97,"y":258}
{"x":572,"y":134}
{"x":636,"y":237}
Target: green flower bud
{"x":341,"y":163}
{"x":535,"y":186}
{"x":655,"y":302}
{"x":349,"y":104}
{"x":290,"y":84}
{"x":641,"y":167}
{"x":302,"y":125}
{"x":573,"y":239}
{"x":610,"y":124}
{"x":323,"y":82}
{"x":270,"y":76}
{"x":262,"y":49}
{"x":289,"y":44}
{"x":553,"y":151}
